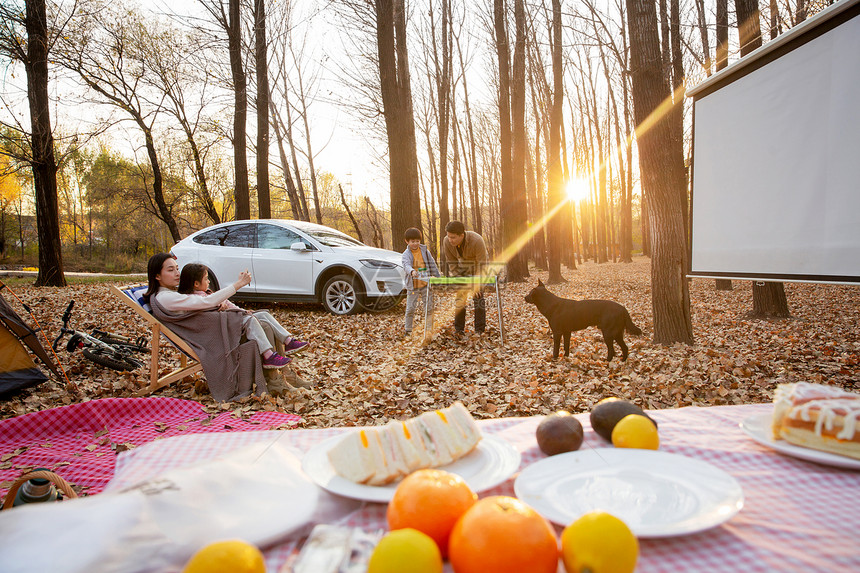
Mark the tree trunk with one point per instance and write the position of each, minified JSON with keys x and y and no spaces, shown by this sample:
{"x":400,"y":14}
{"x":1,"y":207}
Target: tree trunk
{"x":399,"y":122}
{"x":514,"y":221}
{"x":660,"y":169}
{"x":677,"y":113}
{"x":473,"y":162}
{"x":349,"y":213}
{"x":264,"y":204}
{"x":800,"y":11}
{"x":295,"y":204}
{"x":42,"y":143}
{"x":722,"y":30}
{"x":703,"y":34}
{"x":165,"y":213}
{"x":775,"y":27}
{"x":443,"y":98}
{"x":240,"y":113}
{"x":749,"y":25}
{"x":300,"y":188}
{"x":769,"y":301}
{"x":555,"y":185}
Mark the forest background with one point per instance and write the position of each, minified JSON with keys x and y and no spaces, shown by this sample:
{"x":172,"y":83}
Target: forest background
{"x":557,"y":130}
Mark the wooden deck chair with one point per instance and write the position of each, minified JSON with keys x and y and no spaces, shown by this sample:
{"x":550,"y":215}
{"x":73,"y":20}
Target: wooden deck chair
{"x":189,"y":362}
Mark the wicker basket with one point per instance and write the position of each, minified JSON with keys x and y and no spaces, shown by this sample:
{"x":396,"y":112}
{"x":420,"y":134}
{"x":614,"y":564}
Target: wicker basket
{"x":55,"y":479}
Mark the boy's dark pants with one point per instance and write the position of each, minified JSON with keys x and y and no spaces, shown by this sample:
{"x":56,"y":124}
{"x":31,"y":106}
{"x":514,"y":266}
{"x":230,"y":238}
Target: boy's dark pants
{"x":480,"y":311}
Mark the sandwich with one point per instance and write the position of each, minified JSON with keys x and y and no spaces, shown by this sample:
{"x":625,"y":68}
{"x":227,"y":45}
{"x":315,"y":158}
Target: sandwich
{"x":381,"y":455}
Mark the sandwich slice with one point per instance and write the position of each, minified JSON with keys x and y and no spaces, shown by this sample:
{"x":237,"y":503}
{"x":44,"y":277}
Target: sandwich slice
{"x":357,"y":456}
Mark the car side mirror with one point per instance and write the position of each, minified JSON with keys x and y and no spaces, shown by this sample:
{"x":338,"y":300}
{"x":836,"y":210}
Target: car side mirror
{"x":299,"y":246}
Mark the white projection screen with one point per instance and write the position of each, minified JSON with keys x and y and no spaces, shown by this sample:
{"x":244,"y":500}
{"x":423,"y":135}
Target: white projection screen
{"x":776,"y":158}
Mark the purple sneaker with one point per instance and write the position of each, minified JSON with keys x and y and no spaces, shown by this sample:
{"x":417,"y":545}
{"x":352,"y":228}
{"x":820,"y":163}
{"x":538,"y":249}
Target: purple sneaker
{"x":294,"y":346}
{"x":276,"y":361}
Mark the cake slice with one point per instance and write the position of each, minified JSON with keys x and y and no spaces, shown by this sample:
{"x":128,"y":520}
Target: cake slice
{"x":789,"y":396}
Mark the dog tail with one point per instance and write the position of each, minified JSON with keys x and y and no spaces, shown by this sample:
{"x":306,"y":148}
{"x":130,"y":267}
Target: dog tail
{"x":630,"y":327}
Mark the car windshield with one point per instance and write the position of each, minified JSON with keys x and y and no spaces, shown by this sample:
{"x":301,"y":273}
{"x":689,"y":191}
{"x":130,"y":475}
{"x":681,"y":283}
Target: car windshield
{"x":333,"y":239}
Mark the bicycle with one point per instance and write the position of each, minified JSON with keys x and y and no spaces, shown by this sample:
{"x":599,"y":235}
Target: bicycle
{"x":104,"y":348}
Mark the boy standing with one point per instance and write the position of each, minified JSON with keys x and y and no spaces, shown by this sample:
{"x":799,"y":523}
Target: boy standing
{"x":417,"y":261}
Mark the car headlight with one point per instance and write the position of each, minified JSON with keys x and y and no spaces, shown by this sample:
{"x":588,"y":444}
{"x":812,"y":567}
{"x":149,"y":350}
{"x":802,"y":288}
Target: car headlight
{"x":377,"y":264}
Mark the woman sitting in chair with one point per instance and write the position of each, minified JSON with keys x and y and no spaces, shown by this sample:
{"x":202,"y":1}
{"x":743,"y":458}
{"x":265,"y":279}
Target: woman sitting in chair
{"x":230,"y":365}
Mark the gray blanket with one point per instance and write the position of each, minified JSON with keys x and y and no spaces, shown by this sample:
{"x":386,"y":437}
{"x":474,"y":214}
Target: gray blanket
{"x":232,"y":367}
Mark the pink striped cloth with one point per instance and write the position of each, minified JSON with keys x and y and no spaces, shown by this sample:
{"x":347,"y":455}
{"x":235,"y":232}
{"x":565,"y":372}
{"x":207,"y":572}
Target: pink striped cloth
{"x":81,"y":442}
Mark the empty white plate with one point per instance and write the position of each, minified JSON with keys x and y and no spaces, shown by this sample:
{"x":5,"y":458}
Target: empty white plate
{"x":655,"y":493}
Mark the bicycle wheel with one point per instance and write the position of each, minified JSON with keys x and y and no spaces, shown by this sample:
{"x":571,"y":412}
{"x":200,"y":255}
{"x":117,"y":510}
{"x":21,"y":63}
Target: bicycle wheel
{"x":113,"y":361}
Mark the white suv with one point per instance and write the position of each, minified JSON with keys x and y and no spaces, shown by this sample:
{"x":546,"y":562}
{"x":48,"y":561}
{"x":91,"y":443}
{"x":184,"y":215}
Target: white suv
{"x":296,"y":261}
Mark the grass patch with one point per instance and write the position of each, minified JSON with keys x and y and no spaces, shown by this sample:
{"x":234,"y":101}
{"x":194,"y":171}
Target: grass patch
{"x":14,"y":281}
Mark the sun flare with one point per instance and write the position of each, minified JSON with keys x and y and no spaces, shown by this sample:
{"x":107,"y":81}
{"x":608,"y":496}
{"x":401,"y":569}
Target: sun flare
{"x":578,"y":189}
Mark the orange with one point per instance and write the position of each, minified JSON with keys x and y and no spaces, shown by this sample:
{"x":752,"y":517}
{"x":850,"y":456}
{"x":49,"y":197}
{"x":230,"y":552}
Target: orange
{"x":430,"y":501}
{"x":503,"y":535}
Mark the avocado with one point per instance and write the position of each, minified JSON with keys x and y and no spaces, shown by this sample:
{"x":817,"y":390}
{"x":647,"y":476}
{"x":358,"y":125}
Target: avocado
{"x":609,"y":411}
{"x":559,"y":432}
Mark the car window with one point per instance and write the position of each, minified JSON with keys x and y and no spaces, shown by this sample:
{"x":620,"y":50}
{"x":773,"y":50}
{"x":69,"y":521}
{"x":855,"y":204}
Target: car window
{"x":274,"y":237}
{"x":333,"y":239}
{"x":229,"y":236}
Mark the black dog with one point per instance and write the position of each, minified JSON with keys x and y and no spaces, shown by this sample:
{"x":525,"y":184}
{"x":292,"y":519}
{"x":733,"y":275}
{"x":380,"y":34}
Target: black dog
{"x":565,"y":316}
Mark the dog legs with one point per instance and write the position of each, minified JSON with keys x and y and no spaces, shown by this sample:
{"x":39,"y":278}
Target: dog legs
{"x":620,"y":340}
{"x":608,"y":338}
{"x":556,"y":341}
{"x":566,"y":344}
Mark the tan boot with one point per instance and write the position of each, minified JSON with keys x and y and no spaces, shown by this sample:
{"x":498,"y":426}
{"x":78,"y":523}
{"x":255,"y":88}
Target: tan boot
{"x":294,"y":380}
{"x":276,"y":384}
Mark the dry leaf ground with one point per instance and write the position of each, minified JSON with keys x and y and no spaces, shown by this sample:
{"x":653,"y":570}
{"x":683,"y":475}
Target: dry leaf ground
{"x":367,"y":372}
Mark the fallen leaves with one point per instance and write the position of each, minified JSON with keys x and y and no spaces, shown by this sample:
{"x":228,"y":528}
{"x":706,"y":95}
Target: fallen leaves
{"x":367,"y":372}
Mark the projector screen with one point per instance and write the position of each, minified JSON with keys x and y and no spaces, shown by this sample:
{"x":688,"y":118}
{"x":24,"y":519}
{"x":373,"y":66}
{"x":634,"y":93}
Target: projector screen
{"x":776,"y":158}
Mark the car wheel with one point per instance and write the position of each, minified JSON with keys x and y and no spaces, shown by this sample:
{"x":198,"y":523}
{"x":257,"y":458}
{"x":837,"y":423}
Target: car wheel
{"x":339,"y":295}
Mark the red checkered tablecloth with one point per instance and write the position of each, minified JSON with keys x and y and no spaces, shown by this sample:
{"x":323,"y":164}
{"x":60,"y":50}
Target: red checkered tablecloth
{"x":797,"y":515}
{"x":80,"y":442}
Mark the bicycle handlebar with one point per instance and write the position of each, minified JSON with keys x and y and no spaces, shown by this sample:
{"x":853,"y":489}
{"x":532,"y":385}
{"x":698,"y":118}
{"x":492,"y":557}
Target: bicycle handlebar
{"x":68,"y":314}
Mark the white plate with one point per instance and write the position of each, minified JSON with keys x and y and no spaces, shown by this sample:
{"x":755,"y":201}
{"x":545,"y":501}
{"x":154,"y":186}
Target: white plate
{"x":655,"y":493}
{"x":488,"y":465}
{"x":758,"y":428}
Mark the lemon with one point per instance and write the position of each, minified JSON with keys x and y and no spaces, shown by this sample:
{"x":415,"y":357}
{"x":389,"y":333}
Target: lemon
{"x":635,"y":431}
{"x":405,"y":550}
{"x":599,"y":542}
{"x":230,"y":556}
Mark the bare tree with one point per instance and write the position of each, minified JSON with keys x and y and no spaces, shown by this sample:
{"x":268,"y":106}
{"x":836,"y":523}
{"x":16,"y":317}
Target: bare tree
{"x":659,"y":167}
{"x":349,"y":212}
{"x":555,"y":191}
{"x":105,"y":52}
{"x":172,"y":78}
{"x":230,"y":22}
{"x":396,"y":91}
{"x":262,"y":71}
{"x":33,"y":52}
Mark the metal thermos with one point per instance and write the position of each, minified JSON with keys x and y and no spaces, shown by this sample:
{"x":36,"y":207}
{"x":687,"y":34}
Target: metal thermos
{"x":36,"y":490}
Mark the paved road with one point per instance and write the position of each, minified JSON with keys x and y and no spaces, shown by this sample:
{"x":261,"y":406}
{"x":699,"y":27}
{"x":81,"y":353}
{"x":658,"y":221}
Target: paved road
{"x":23,"y":274}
